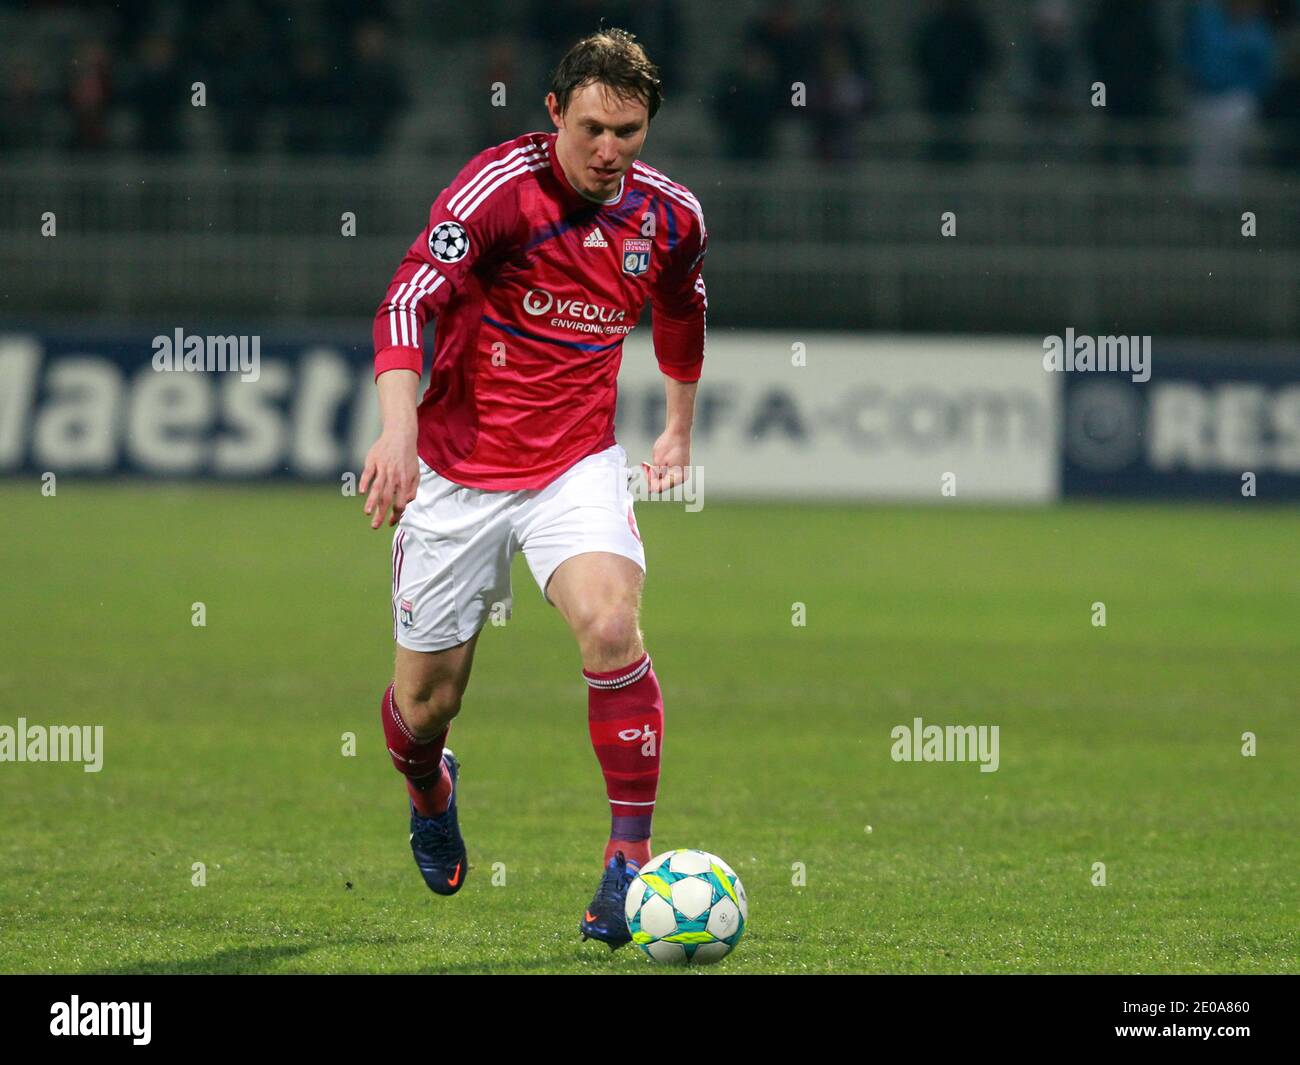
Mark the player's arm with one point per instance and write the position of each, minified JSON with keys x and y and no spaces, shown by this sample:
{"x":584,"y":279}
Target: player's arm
{"x":671,"y":454}
{"x":392,"y":470}
{"x":471,"y":219}
{"x":678,"y":303}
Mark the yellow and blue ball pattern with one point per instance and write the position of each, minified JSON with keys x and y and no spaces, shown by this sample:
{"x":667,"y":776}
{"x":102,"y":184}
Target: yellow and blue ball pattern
{"x":687,"y":907}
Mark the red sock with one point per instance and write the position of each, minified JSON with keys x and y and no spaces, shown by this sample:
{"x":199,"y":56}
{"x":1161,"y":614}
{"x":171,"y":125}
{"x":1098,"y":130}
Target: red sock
{"x":427,"y":780}
{"x":637,"y":852}
{"x":625,"y":715}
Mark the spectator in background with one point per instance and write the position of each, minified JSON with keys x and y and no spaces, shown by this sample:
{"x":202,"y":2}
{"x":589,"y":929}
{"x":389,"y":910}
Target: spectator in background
{"x":237,"y":47}
{"x":339,"y":20}
{"x":1282,"y":107}
{"x":314,"y":102}
{"x":1050,"y":76}
{"x":157,"y":90}
{"x":953,"y":52}
{"x":500,"y":65}
{"x":22,"y":109}
{"x":559,"y":23}
{"x":1128,"y":56}
{"x":746,"y":101}
{"x":1229,"y":56}
{"x":778,"y":34}
{"x":657,"y":25}
{"x":375,"y":91}
{"x":841,"y":90}
{"x":88,"y":92}
{"x":1048,"y":82}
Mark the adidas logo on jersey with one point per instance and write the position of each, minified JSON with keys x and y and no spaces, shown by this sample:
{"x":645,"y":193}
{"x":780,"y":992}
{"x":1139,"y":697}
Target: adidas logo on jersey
{"x":595,"y":239}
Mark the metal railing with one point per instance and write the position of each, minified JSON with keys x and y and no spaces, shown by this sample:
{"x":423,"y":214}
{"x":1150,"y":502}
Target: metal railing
{"x":1036,"y":248}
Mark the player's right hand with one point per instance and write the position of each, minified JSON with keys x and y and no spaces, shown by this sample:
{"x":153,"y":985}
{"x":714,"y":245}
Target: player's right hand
{"x":392,"y":475}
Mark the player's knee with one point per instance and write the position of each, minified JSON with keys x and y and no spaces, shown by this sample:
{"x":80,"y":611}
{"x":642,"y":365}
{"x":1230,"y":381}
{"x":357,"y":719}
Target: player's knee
{"x":612,"y":637}
{"x":429,"y":708}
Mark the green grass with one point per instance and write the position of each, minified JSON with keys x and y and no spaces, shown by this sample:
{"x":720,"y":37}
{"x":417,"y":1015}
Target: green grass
{"x":1118,"y":744}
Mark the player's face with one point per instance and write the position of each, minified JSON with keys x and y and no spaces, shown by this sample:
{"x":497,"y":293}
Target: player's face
{"x":600,"y":137}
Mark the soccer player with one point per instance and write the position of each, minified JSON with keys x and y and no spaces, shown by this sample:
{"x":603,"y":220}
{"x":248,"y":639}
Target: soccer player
{"x":537,"y":261}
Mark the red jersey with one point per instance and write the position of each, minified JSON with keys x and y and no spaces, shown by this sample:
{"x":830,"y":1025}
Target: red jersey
{"x":534,"y":288}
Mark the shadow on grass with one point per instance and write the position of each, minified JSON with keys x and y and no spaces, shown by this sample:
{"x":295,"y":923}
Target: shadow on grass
{"x":253,"y":960}
{"x":560,"y":962}
{"x":230,"y":960}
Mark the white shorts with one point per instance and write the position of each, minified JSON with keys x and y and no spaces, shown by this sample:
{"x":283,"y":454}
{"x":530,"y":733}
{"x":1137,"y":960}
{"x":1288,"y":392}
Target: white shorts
{"x":454,"y":545}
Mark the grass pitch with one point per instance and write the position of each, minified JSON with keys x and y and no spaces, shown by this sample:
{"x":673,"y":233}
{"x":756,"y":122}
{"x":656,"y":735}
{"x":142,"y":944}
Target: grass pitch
{"x":223,"y":743}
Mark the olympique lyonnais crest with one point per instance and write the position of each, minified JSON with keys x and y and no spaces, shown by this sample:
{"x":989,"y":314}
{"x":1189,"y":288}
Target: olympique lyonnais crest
{"x":407,"y":613}
{"x":636,"y":256}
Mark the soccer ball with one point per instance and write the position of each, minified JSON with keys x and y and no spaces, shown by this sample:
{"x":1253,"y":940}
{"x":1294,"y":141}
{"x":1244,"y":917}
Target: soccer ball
{"x":686,"y":907}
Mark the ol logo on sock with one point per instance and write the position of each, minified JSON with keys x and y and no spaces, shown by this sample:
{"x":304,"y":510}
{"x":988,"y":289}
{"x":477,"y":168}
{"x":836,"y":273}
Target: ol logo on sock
{"x":648,"y":748}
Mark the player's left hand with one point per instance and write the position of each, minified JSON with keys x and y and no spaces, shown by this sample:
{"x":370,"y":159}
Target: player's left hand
{"x":670,"y":461}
